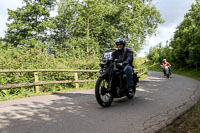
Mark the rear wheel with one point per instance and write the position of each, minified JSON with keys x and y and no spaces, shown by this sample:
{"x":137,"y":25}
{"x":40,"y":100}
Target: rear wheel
{"x":102,"y":93}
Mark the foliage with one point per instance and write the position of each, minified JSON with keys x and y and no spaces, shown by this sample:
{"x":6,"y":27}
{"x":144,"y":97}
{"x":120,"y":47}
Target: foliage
{"x":20,"y":58}
{"x":158,"y":53}
{"x":103,"y":21}
{"x":140,"y":66}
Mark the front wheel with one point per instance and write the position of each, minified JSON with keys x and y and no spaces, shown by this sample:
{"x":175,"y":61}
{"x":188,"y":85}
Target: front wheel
{"x":167,"y":72}
{"x":102,"y":93}
{"x":168,"y":75}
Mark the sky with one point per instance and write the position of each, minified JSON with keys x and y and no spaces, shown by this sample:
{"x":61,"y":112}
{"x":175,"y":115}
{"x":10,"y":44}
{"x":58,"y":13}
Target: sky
{"x":172,"y":12}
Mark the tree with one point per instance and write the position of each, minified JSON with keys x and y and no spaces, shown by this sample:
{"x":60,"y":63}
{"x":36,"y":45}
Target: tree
{"x":29,"y":24}
{"x":186,"y":40}
{"x":102,"y":21}
{"x":156,"y":54}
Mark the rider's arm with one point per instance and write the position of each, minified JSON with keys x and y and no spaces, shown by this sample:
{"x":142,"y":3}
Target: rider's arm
{"x":114,"y":55}
{"x":129,"y":58}
{"x":168,"y":64}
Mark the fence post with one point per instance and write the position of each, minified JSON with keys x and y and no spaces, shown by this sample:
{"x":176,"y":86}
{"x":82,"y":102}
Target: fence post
{"x":37,"y":89}
{"x":76,"y":78}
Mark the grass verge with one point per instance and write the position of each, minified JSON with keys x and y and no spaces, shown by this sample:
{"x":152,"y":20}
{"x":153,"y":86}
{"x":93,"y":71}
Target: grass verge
{"x":190,"y":121}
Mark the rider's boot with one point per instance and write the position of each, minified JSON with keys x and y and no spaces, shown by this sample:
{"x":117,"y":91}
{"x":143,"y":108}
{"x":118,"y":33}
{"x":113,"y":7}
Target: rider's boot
{"x":130,"y":89}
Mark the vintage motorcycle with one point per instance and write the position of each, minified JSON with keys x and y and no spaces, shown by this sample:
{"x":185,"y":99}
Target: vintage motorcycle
{"x":112,"y":82}
{"x":166,"y":70}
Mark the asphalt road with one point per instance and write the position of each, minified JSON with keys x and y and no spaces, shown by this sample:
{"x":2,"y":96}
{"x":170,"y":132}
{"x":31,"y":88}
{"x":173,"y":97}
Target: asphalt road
{"x":158,"y":102}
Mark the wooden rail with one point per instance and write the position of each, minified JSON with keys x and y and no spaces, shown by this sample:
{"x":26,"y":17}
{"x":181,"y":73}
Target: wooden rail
{"x":37,"y":82}
{"x":41,"y":83}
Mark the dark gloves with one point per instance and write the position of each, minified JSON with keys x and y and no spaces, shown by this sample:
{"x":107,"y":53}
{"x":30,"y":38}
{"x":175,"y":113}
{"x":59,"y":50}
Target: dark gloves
{"x":125,"y":63}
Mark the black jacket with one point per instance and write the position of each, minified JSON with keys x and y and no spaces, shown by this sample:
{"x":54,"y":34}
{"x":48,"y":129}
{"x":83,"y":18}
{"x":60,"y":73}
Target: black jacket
{"x":124,"y":56}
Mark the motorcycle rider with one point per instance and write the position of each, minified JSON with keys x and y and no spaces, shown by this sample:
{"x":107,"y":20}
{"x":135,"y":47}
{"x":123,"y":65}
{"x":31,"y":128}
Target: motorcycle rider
{"x":124,"y":55}
{"x":165,"y":63}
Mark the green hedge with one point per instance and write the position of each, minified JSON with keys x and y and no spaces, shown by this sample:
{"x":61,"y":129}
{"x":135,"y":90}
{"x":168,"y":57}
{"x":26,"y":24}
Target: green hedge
{"x":16,"y":58}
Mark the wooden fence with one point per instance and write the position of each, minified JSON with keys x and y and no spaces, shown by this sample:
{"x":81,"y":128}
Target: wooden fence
{"x":141,"y":72}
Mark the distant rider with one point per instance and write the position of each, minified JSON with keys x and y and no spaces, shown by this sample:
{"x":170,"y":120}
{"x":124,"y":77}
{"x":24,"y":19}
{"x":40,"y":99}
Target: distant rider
{"x":165,"y":63}
{"x":124,"y":55}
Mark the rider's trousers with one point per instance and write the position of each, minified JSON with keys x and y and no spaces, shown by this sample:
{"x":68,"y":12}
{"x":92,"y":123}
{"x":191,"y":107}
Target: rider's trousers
{"x":128,"y":70}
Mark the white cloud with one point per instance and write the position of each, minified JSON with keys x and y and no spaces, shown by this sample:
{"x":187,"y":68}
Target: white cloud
{"x":173,"y":10}
{"x":164,"y":34}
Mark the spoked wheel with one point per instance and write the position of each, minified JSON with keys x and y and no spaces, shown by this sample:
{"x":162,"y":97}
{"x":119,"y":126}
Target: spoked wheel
{"x":102,"y":93}
{"x":131,"y":95}
{"x":168,"y":75}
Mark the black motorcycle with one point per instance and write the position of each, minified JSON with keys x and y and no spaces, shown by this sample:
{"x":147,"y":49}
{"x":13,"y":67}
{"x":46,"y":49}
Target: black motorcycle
{"x":112,"y":82}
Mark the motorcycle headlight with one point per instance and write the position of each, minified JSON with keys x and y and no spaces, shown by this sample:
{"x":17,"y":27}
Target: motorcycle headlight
{"x":104,"y":61}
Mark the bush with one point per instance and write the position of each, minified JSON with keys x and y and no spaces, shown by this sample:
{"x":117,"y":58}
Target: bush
{"x":18,"y":58}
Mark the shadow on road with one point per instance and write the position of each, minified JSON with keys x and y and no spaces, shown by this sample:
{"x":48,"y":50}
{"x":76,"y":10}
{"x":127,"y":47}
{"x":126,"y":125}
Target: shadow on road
{"x":69,"y":108}
{"x":25,"y":118}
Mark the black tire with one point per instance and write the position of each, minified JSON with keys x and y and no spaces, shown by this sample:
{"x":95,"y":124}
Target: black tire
{"x":102,"y":92}
{"x":130,"y":96}
{"x":168,"y":75}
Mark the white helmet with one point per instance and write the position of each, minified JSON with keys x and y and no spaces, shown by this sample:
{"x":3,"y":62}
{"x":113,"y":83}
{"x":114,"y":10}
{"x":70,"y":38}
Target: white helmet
{"x":164,"y":60}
